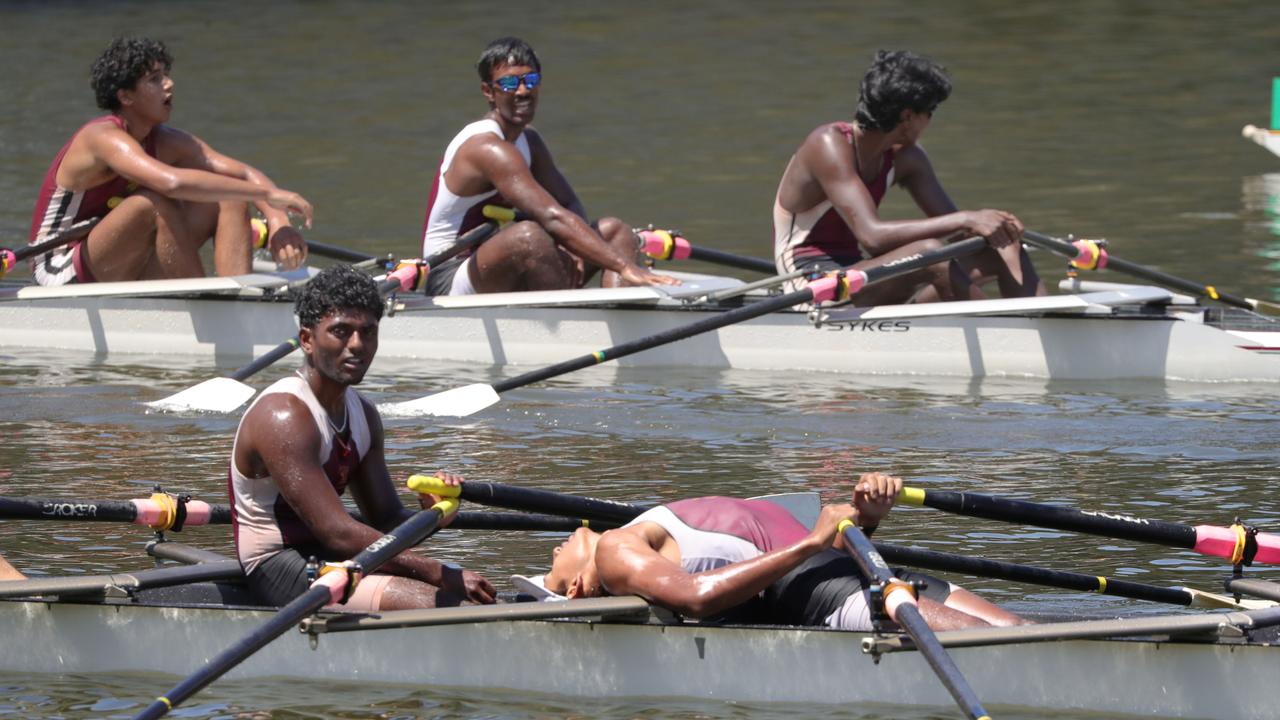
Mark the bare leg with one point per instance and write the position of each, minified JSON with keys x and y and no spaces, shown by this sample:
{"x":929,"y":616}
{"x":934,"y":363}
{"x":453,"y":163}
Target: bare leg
{"x":521,"y":256}
{"x":9,"y":572}
{"x":232,"y":245}
{"x":619,"y":235}
{"x":930,"y":284}
{"x":1011,"y":268}
{"x":409,"y":594}
{"x":971,"y":604}
{"x":144,"y":237}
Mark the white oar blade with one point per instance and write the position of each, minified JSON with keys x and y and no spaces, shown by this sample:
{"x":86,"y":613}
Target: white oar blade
{"x":1203,"y":599}
{"x":220,"y":394}
{"x":458,"y":402}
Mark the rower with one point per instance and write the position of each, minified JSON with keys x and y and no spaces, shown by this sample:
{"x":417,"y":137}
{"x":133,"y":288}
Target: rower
{"x":307,"y":439}
{"x":750,"y":561}
{"x":825,"y":213}
{"x":161,"y":192}
{"x":502,"y":155}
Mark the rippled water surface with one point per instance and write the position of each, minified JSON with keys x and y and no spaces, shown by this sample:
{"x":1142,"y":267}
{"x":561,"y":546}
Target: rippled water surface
{"x":1102,"y":119}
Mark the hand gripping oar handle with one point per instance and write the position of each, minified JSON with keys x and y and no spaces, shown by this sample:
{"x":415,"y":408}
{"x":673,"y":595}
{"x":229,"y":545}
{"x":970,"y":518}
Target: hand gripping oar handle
{"x":837,"y":285}
{"x":1236,"y":543}
{"x":899,"y":600}
{"x":10,"y":258}
{"x":330,"y":587}
{"x":522,"y":498}
{"x":670,"y":245}
{"x":1090,"y":255}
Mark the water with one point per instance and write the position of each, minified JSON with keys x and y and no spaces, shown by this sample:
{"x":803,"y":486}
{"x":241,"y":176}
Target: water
{"x":1113,"y":120}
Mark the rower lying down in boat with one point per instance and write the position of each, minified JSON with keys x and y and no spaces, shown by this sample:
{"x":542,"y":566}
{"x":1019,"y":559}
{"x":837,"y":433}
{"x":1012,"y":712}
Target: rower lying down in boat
{"x":308,"y":438}
{"x":750,"y":561}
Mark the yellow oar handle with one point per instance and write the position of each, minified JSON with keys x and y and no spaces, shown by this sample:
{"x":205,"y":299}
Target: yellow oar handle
{"x":430,"y":484}
{"x":911,"y":496}
{"x":501,"y":214}
{"x":446,"y":506}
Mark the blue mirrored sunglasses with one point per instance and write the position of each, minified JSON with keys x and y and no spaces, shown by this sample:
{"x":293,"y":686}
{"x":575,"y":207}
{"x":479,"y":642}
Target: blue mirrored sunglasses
{"x":511,"y":83}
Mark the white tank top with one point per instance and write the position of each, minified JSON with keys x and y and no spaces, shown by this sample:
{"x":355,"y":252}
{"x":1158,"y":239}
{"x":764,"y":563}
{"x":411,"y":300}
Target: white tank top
{"x":263,"y":523}
{"x":447,"y":213}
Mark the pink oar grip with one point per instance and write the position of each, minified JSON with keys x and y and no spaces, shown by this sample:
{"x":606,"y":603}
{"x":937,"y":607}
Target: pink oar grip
{"x":407,"y":274}
{"x":1221,"y":542}
{"x":151,"y":512}
{"x":7,"y":260}
{"x":680,"y":248}
{"x":895,"y":600}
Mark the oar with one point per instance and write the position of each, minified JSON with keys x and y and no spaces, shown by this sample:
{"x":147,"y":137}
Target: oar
{"x":225,"y":394}
{"x":840,"y":285}
{"x":129,"y":581}
{"x":329,"y":588}
{"x":669,"y":245}
{"x":1033,"y":575}
{"x":899,"y":600}
{"x":1236,"y":543}
{"x":522,"y":498}
{"x":161,"y":511}
{"x":10,"y":258}
{"x":1089,"y":255}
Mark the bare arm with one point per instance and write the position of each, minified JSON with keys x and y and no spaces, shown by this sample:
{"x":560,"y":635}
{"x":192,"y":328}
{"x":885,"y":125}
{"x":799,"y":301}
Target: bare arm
{"x":501,"y":164}
{"x":123,"y":154}
{"x":829,"y":158}
{"x":277,"y":438}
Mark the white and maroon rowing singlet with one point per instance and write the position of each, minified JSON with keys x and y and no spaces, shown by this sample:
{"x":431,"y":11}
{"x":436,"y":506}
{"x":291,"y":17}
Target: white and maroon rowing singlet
{"x":716,"y":531}
{"x":262,"y":522}
{"x":449,"y":215}
{"x":58,"y":208}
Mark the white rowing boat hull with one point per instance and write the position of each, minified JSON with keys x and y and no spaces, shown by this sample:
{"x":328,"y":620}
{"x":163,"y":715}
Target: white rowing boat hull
{"x":606,"y":660}
{"x":1130,"y":332}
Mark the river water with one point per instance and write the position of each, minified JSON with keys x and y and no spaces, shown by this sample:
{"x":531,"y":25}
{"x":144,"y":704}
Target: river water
{"x":1101,"y":119}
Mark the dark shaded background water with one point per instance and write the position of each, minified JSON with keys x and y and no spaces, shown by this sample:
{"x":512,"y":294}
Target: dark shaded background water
{"x":1113,"y":119}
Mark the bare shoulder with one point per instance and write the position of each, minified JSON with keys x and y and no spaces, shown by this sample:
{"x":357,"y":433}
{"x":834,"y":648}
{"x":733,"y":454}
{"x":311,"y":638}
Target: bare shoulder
{"x":909,"y":160}
{"x":277,"y":417}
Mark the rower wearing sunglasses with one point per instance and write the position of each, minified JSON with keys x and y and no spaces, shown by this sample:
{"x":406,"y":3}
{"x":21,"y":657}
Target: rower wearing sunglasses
{"x":501,"y":155}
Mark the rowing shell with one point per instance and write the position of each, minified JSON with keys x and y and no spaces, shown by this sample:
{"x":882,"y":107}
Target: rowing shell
{"x":1097,"y":331}
{"x":1220,"y":677}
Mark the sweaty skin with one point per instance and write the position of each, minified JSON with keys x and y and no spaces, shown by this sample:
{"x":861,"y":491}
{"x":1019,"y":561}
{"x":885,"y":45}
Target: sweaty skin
{"x":826,"y":167}
{"x":187,"y":193}
{"x":279,"y":438}
{"x":556,"y":248}
{"x":644,"y":560}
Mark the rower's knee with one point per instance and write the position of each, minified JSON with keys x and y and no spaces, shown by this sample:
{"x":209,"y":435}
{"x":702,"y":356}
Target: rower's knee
{"x":529,"y":243}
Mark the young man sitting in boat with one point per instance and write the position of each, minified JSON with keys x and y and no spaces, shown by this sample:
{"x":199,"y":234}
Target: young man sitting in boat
{"x":825,"y":213}
{"x":160,"y":192}
{"x":500,"y":157}
{"x":310,"y":437}
{"x":751,"y":561}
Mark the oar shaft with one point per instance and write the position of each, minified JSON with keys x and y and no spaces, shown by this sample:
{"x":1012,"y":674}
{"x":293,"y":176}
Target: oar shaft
{"x":522,"y":498}
{"x":981,"y":567}
{"x":322,"y":591}
{"x":146,"y":511}
{"x":1112,"y":262}
{"x":901,"y":606}
{"x":712,"y":322}
{"x":334,"y":252}
{"x":1053,"y":516}
{"x":741,"y":262}
{"x":478,"y":520}
{"x":58,"y":239}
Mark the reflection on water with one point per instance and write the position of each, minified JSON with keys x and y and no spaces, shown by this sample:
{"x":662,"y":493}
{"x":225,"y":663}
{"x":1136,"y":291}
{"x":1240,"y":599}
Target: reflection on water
{"x":1261,"y":199}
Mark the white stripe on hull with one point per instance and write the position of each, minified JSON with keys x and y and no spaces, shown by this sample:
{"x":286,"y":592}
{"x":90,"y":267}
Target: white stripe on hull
{"x":617,"y":660}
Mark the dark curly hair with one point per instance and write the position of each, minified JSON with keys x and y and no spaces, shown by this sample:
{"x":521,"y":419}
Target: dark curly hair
{"x":122,"y":64}
{"x":896,"y":81}
{"x":337,"y":287}
{"x":506,"y":51}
